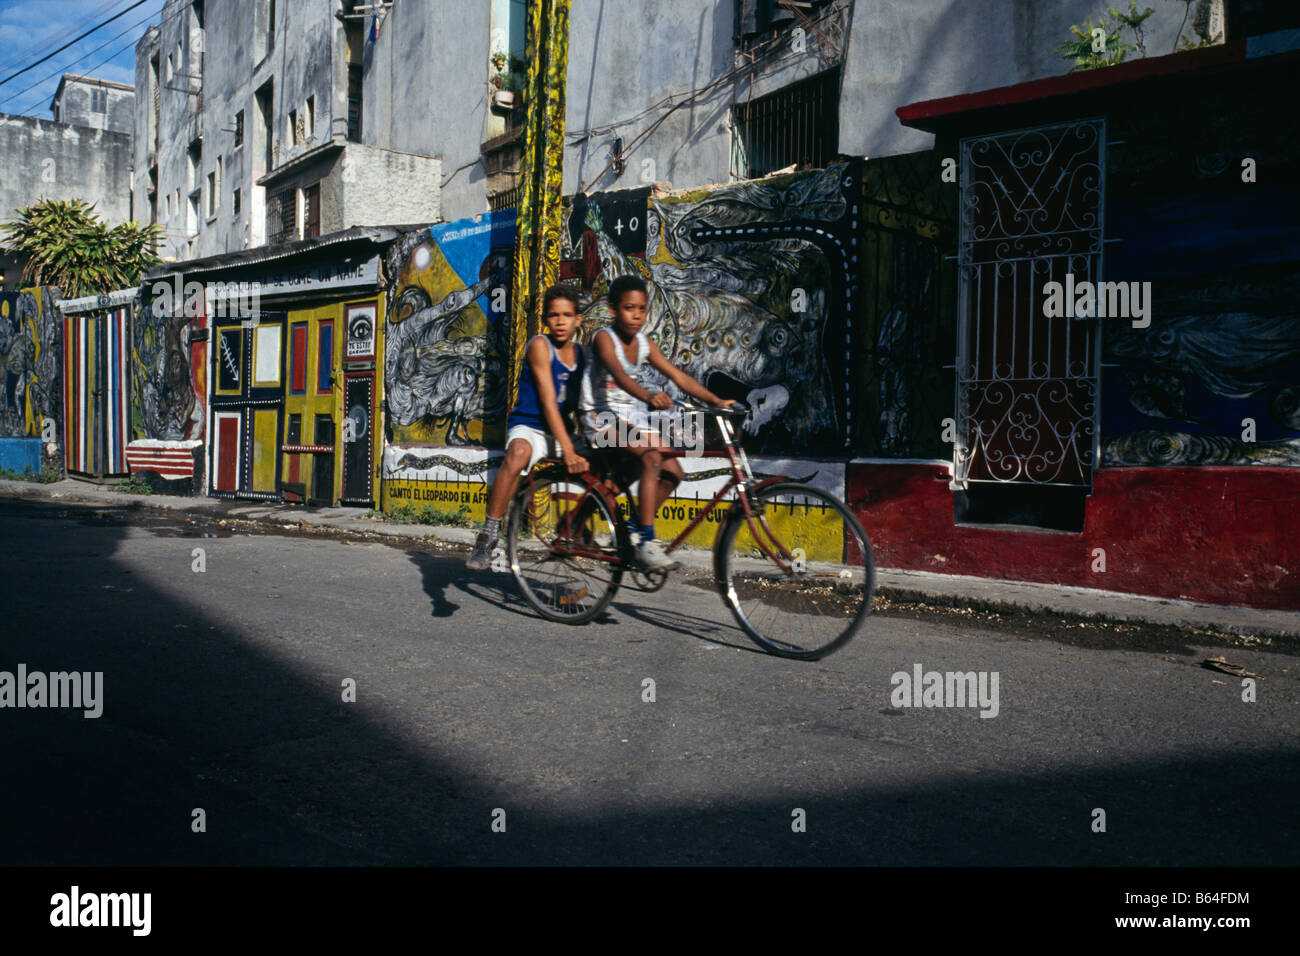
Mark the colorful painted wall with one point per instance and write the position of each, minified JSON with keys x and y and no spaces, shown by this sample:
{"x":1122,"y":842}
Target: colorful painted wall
{"x":31,"y":357}
{"x":168,"y":373}
{"x":753,"y":290}
{"x":1215,"y":378}
{"x":446,"y":333}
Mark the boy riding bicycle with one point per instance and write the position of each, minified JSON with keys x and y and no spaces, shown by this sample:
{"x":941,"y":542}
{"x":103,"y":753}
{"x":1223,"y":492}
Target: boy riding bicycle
{"x":614,"y":409}
{"x":537,"y":426}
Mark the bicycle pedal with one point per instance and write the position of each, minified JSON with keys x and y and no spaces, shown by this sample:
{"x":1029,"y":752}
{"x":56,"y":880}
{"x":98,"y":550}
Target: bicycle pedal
{"x":573,"y":597}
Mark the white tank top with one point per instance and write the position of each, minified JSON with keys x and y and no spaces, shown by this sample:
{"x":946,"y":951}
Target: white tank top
{"x":600,"y":392}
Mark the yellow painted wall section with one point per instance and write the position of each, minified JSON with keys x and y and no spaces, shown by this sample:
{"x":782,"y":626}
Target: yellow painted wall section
{"x":820,"y":533}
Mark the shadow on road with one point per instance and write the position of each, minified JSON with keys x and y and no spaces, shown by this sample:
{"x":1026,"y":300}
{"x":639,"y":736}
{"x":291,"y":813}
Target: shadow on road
{"x":199,"y":715}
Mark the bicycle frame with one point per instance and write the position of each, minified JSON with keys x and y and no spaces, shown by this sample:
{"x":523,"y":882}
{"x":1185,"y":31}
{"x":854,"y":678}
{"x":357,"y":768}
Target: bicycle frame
{"x":742,"y":479}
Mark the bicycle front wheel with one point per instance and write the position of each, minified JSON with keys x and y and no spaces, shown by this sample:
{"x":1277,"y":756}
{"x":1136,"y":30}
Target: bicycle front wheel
{"x":799,"y":575}
{"x":564,"y":549}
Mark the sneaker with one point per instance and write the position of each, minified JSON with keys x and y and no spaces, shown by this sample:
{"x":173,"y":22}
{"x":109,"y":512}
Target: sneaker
{"x":651,"y":555}
{"x":482,"y":555}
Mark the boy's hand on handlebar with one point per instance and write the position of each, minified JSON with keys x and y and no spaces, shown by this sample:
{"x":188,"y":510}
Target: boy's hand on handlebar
{"x":660,"y":400}
{"x":575,"y":463}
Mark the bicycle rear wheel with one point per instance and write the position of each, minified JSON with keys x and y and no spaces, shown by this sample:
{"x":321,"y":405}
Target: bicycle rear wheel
{"x":820,"y":599}
{"x":564,"y":549}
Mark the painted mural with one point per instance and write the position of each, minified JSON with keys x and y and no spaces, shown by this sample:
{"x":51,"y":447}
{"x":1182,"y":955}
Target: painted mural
{"x":1214,"y":379}
{"x":30,"y":349}
{"x":907,"y":329}
{"x":168,"y":381}
{"x":447,"y":333}
{"x":751,"y":291}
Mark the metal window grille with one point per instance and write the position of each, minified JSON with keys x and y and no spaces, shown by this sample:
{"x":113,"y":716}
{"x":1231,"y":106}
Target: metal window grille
{"x":504,"y":200}
{"x":1031,"y":213}
{"x":795,"y":126}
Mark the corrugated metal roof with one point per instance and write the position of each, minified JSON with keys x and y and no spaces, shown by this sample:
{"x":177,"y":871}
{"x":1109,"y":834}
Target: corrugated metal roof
{"x":374,"y":235}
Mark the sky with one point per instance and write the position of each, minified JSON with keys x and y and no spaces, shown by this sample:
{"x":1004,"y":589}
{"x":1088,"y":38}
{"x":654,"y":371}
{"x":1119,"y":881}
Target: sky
{"x":29,"y":29}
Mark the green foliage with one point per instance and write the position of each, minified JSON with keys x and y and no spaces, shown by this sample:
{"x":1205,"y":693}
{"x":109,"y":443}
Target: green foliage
{"x":69,"y":246}
{"x":1133,"y":19}
{"x":1132,"y":22}
{"x":45,"y":476}
{"x":428,"y":514}
{"x":1081,"y":51}
{"x":134,"y":485}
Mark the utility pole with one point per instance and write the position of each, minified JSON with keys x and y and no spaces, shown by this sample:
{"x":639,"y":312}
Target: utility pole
{"x":541,"y":176}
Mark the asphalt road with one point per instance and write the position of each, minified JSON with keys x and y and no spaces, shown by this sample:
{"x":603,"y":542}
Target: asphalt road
{"x":223,"y":690}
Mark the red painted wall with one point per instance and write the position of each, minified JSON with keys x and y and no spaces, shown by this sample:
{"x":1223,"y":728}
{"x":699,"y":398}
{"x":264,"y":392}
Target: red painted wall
{"x":1220,"y":535}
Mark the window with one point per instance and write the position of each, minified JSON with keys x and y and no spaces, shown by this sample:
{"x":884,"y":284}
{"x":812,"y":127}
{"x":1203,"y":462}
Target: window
{"x":760,"y":20}
{"x":295,"y":130}
{"x":795,"y":126}
{"x":265,"y":113}
{"x":99,"y":100}
{"x":311,"y":119}
{"x":214,"y":190}
{"x":234,"y":201}
{"x":196,"y":32}
{"x":193,"y":159}
{"x":171,"y":68}
{"x":239,"y":129}
{"x":311,"y":212}
{"x":354,"y":104}
{"x":282,"y":216}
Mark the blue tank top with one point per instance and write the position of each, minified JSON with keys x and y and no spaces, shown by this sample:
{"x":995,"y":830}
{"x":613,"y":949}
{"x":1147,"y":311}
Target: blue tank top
{"x":527,"y":411}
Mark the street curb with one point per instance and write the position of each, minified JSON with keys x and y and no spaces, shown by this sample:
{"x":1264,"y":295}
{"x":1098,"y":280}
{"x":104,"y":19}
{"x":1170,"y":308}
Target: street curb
{"x":897,"y":584}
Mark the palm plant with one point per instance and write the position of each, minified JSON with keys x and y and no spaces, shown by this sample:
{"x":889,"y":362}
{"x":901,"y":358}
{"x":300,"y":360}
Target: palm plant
{"x":67,"y":245}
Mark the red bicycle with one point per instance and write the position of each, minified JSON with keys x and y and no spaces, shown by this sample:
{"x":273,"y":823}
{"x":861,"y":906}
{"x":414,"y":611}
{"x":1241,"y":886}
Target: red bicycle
{"x":790,"y":560}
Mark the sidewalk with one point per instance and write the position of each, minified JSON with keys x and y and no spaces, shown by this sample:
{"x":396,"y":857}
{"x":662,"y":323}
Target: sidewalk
{"x":898,"y":584}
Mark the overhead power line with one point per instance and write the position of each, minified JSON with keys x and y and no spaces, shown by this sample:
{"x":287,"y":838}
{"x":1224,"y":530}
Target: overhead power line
{"x":68,"y":66}
{"x":50,"y":56}
{"x":58,"y":36}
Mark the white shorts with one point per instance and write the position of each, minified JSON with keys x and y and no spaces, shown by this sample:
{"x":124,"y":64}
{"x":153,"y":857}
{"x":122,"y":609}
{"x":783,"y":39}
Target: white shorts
{"x":543,"y":444}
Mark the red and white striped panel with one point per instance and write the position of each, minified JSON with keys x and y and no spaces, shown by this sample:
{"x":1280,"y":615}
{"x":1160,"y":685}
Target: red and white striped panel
{"x":167,"y":462}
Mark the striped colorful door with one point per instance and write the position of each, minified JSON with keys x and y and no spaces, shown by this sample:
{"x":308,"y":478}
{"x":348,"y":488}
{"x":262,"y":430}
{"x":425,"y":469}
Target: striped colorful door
{"x":96,"y":421}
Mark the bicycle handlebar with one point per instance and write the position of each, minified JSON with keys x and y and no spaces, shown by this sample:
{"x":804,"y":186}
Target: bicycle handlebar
{"x":738,"y":410}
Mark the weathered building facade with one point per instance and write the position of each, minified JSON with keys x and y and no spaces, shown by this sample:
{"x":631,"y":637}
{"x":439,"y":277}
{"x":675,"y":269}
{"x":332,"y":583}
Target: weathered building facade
{"x":244,"y":137}
{"x":84,"y":153}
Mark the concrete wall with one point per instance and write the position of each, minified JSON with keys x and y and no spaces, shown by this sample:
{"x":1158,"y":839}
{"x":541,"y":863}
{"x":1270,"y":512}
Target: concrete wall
{"x":626,"y":60}
{"x":45,"y":160}
{"x":425,"y":92}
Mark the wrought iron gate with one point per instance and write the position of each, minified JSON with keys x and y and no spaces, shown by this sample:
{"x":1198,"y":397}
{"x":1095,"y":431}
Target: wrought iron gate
{"x":1031,"y":213}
